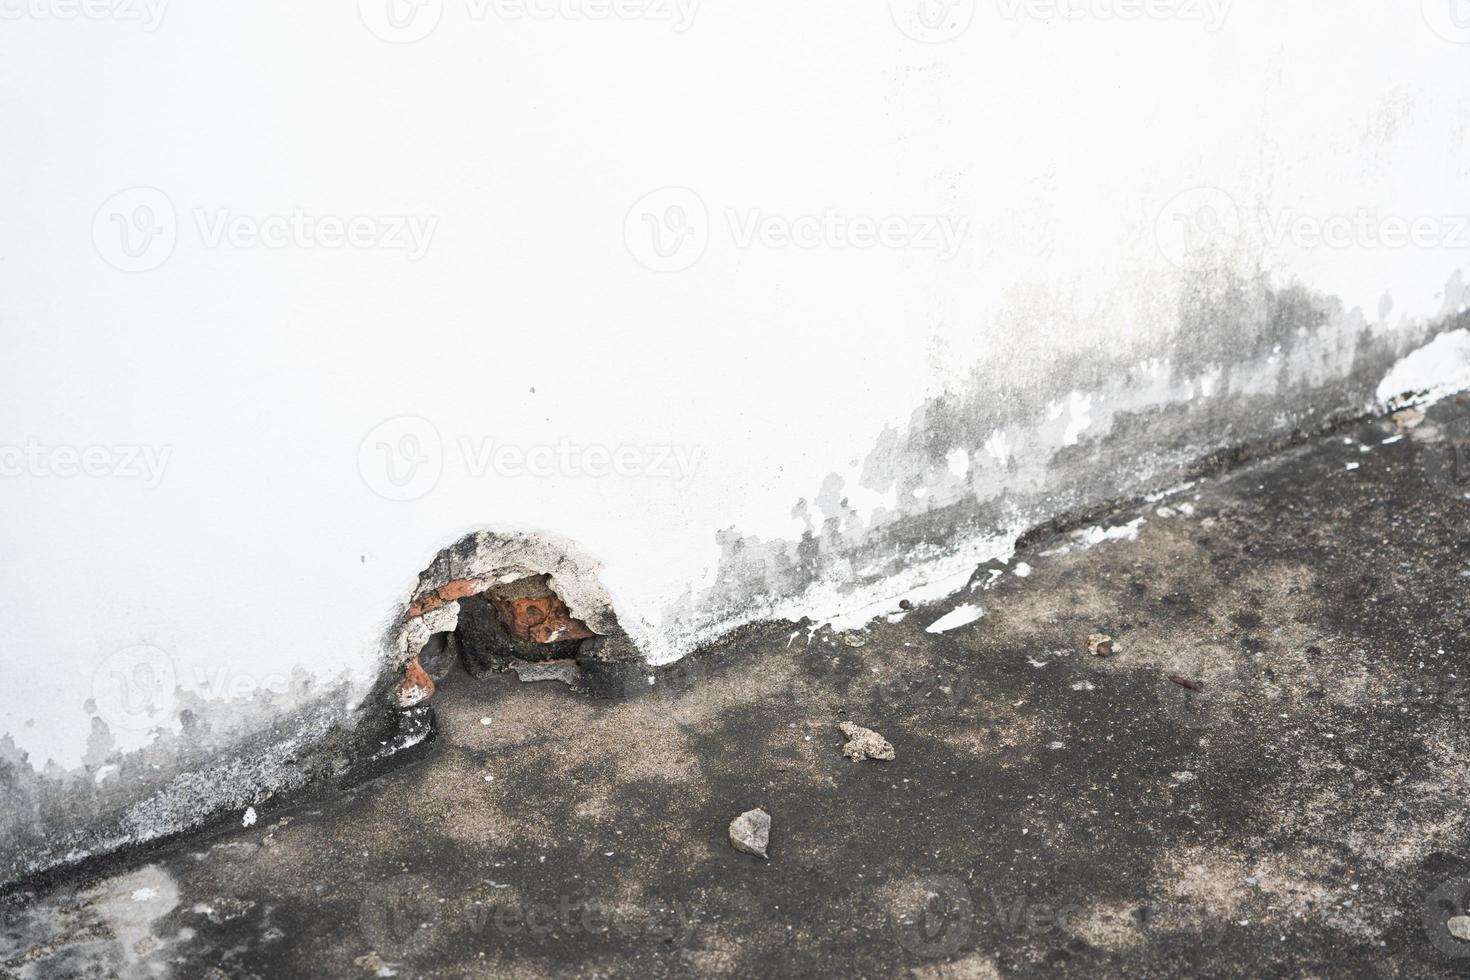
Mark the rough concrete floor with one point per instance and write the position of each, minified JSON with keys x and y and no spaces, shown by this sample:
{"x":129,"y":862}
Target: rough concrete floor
{"x":1048,"y":813}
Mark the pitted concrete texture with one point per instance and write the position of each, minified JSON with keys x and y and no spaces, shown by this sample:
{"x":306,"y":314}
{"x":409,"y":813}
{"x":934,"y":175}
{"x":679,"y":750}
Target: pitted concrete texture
{"x":1267,"y":777}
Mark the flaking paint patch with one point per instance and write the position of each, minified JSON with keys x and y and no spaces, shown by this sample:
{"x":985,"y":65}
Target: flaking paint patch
{"x":1249,"y":364}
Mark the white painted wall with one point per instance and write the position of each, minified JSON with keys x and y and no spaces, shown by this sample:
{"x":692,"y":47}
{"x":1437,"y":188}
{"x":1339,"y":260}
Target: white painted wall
{"x":524,"y":149}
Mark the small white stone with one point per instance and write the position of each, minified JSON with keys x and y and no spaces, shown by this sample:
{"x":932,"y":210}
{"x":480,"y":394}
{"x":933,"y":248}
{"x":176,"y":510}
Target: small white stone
{"x":485,"y":722}
{"x":1459,"y":927}
{"x":249,"y":820}
{"x":751,"y":832}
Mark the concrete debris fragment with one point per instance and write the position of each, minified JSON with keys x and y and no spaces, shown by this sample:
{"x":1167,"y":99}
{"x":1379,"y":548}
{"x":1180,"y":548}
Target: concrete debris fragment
{"x":854,"y":639}
{"x":864,"y":743}
{"x":1459,"y":927}
{"x":249,"y":819}
{"x":565,"y":671}
{"x":376,"y":965}
{"x":415,"y":686}
{"x":1100,"y":645}
{"x":751,"y":832}
{"x":1409,"y":418}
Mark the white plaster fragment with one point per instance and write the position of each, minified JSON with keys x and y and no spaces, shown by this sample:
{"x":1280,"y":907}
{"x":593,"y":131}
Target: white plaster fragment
{"x":961,"y":615}
{"x":959,"y":462}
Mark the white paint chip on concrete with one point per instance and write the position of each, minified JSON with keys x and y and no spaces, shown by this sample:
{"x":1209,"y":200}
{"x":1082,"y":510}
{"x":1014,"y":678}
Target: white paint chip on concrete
{"x":961,"y":615}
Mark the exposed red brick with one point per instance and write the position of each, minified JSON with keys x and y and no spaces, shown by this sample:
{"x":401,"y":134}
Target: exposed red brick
{"x":540,"y":619}
{"x":415,"y":686}
{"x":435,"y":598}
{"x":461,"y":588}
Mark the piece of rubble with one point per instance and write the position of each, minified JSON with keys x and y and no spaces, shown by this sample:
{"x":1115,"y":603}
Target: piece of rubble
{"x":1459,"y":927}
{"x":1409,"y":418}
{"x":751,"y":832}
{"x":864,"y":743}
{"x":854,"y":640}
{"x":414,"y":687}
{"x":565,"y":671}
{"x":376,"y":965}
{"x":1100,"y":645}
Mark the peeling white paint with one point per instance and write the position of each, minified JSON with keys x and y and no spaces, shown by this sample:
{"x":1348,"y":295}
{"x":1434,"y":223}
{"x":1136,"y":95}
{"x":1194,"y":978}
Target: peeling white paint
{"x":1439,"y":368}
{"x":1079,"y":417}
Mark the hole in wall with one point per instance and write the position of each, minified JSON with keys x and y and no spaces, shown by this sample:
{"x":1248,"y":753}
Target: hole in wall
{"x":496,"y":602}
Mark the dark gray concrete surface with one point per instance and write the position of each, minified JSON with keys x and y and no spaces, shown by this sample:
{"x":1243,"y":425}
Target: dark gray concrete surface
{"x":1268,"y":778}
